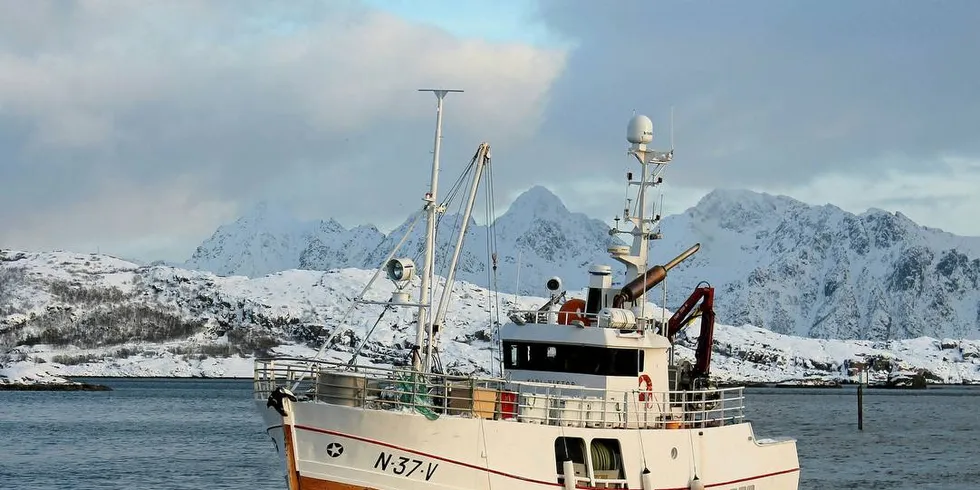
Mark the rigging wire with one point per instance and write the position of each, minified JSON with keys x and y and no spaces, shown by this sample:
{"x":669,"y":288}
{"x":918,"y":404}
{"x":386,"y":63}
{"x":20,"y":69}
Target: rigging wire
{"x":486,"y":239}
{"x":356,"y":300}
{"x":458,"y":223}
{"x":353,"y":358}
{"x":493,"y":295}
{"x":488,"y":203}
{"x":639,"y":433}
{"x":457,"y":229}
{"x":486,"y":454}
{"x":564,"y":441}
{"x":450,"y":196}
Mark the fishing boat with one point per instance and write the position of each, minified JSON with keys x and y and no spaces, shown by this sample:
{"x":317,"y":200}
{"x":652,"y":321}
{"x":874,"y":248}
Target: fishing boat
{"x":588,"y":392}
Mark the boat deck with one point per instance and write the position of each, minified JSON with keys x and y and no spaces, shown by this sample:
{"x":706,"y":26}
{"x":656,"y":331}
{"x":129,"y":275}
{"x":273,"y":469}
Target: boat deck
{"x":393,"y":389}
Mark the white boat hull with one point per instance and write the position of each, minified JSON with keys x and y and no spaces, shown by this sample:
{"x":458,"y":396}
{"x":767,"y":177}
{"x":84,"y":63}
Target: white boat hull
{"x":588,"y":396}
{"x":337,"y":447}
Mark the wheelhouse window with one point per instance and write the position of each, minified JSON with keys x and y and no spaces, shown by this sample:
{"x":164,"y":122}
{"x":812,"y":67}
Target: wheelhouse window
{"x":576,"y":359}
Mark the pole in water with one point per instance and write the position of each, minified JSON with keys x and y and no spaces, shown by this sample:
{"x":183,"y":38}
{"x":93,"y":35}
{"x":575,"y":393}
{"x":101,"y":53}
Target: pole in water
{"x":861,"y":407}
{"x":862,"y":379}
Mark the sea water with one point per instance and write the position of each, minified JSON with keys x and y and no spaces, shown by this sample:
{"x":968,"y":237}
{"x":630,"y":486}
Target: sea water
{"x":912,"y":439}
{"x":147,"y":434}
{"x":193,"y":434}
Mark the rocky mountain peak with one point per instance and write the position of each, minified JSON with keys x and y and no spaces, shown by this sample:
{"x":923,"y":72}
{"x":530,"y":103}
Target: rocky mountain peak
{"x":776,"y":262}
{"x":539,"y":202}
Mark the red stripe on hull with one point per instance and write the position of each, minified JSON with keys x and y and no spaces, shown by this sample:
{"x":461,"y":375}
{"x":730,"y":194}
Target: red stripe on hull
{"x":751,"y":478}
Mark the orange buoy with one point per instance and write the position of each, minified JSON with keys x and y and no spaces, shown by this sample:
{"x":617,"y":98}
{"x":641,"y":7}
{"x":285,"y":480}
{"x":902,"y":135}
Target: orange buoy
{"x":675,"y":424}
{"x":572,"y":310}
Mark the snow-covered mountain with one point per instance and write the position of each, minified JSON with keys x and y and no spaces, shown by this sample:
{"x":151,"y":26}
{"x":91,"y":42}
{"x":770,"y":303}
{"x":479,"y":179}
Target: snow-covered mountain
{"x":65,"y":314}
{"x":537,"y":231}
{"x":268,"y":238}
{"x":819,"y":271}
{"x":791,"y":267}
{"x":548,"y":240}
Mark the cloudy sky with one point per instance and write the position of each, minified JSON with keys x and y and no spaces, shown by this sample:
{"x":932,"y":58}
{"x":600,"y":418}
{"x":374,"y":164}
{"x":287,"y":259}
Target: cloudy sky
{"x":136,"y":128}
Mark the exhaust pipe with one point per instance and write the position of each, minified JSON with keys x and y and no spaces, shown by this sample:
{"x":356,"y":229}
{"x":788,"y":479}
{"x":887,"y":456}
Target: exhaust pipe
{"x":655,"y":275}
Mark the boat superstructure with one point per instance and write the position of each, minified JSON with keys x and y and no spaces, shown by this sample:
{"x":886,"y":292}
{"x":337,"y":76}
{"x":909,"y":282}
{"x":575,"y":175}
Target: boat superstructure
{"x":588,"y":395}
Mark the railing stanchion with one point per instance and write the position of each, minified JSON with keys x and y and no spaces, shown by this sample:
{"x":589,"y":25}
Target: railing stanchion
{"x":542,"y":403}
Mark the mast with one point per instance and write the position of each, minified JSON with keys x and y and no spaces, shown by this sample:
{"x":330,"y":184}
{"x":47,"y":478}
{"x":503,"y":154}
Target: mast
{"x":640,"y":133}
{"x":424,"y":326}
{"x":480,"y":160}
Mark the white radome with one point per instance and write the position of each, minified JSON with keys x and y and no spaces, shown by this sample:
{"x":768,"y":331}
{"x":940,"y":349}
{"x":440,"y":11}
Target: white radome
{"x":640,"y":130}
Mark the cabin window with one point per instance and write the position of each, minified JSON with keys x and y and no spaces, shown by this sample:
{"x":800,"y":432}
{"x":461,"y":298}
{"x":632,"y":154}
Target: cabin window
{"x":575,"y":359}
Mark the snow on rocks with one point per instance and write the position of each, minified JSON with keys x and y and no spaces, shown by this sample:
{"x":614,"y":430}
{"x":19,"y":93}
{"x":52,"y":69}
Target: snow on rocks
{"x":64,"y":315}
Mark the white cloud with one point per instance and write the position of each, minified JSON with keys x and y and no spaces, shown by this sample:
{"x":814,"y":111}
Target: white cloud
{"x":770,"y":94}
{"x":939,"y":194}
{"x":111,"y":110}
{"x":218,"y":103}
{"x":141,"y":222}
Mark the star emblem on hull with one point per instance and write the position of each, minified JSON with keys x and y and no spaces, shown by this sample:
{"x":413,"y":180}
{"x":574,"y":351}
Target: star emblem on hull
{"x":335,"y":449}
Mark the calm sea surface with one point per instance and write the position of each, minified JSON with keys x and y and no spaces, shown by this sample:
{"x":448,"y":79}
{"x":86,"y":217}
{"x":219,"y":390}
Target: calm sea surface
{"x":196,"y":434}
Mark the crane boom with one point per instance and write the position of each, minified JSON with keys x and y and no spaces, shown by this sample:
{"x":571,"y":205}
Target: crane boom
{"x":686,"y":313}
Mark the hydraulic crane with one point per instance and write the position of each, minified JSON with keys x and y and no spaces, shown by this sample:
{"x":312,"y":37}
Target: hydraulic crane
{"x":705,"y":294}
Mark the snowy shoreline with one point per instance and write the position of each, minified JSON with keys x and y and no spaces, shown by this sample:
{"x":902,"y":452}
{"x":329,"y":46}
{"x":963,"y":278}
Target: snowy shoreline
{"x":88,"y":315}
{"x":22,"y":378}
{"x":91,"y":383}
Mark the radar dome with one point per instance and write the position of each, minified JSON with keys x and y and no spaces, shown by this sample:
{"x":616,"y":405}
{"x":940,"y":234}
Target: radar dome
{"x":639,"y":130}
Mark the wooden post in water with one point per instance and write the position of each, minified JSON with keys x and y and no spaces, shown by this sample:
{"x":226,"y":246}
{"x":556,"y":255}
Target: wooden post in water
{"x":862,"y":380}
{"x":861,"y":406}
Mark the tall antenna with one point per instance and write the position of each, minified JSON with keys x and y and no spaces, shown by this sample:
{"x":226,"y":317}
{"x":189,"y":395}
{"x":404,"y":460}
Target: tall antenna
{"x":671,"y":128}
{"x":424,"y":327}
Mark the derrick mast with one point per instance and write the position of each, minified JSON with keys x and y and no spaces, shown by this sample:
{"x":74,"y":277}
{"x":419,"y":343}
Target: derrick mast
{"x":652,"y":162}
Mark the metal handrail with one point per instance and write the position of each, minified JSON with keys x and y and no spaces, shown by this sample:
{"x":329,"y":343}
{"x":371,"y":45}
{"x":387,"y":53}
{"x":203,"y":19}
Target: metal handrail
{"x":382,"y":388}
{"x":539,"y":316}
{"x":546,"y":317}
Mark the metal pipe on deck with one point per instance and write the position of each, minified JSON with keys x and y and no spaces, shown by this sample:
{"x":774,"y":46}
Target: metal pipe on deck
{"x":655,"y":275}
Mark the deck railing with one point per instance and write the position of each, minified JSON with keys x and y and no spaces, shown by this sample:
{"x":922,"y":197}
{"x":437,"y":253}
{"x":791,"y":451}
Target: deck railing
{"x":538,"y":317}
{"x":377,"y":388}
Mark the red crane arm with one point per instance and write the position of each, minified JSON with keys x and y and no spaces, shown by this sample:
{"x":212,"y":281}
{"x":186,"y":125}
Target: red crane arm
{"x":706,"y":295}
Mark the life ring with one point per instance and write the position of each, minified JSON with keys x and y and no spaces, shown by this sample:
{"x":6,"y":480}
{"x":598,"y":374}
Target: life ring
{"x":646,"y":394}
{"x":572,"y":310}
